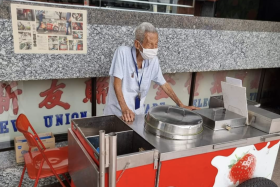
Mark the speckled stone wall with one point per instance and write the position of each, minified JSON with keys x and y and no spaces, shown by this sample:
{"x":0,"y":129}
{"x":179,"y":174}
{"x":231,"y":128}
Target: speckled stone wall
{"x":187,"y":44}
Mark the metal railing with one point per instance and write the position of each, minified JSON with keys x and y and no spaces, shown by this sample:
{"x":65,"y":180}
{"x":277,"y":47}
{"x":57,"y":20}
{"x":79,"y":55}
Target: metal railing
{"x":149,"y":6}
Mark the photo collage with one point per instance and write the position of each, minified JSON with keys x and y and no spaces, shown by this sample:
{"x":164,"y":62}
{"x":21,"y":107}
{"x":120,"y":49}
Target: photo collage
{"x":41,"y":30}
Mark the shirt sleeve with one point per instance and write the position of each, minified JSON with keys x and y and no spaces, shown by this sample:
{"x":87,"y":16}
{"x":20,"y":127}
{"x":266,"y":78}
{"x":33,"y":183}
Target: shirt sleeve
{"x":117,"y":65}
{"x":157,"y":75}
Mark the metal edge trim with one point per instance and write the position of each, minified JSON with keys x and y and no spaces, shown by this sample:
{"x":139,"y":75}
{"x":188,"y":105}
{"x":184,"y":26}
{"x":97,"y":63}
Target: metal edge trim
{"x":156,"y":3}
{"x":203,"y":150}
{"x":158,"y":174}
{"x":173,"y":133}
{"x":170,"y":124}
{"x":84,"y":150}
{"x":93,"y":7}
{"x":122,"y":160}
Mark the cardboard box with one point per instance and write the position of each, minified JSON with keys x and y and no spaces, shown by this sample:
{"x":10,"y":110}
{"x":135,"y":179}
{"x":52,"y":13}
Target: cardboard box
{"x":21,"y":146}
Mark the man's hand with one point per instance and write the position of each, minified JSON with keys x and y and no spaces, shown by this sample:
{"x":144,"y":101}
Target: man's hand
{"x":127,"y":115}
{"x":190,"y":107}
{"x":169,"y":91}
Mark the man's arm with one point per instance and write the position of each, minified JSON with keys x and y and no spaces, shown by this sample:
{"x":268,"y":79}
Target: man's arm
{"x":169,"y":91}
{"x":127,"y":114}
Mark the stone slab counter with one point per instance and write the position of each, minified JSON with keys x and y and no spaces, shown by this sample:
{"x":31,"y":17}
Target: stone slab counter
{"x":186,"y":44}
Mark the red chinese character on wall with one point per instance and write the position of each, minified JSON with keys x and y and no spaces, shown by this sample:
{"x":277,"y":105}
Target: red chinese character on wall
{"x":102,"y":87}
{"x":254,"y":84}
{"x":88,"y":91}
{"x":6,"y":93}
{"x":53,"y":96}
{"x":199,"y":77}
{"x":161,"y":93}
{"x":241,"y":75}
{"x":218,"y":78}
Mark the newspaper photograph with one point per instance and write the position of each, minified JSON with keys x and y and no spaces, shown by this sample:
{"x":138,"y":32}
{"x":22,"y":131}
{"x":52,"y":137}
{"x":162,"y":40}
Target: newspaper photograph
{"x":38,"y":29}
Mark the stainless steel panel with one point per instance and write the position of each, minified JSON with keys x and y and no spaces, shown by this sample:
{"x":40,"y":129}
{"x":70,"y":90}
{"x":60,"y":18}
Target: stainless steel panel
{"x":237,"y":143}
{"x":171,"y":149}
{"x":91,"y":126}
{"x":130,"y":146}
{"x":264,"y":120}
{"x":80,"y":164}
{"x":217,"y":101}
{"x":173,"y":122}
{"x":164,"y":134}
{"x":127,"y":142}
{"x":136,"y":159}
{"x":219,"y":118}
{"x":271,"y":137}
{"x":202,"y":150}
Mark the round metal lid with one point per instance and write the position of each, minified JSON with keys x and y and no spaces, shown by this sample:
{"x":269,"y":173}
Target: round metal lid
{"x":173,"y":122}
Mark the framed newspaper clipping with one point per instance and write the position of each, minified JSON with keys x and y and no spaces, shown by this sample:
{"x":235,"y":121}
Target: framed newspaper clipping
{"x":39,"y":29}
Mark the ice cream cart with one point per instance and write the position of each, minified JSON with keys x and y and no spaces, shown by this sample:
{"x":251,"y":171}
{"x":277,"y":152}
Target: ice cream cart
{"x":171,"y":146}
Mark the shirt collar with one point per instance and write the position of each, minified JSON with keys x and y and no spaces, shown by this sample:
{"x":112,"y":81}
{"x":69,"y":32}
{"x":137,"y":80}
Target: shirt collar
{"x":147,"y":62}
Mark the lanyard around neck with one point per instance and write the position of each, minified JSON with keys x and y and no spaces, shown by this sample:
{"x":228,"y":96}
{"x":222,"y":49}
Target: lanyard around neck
{"x":136,"y":68}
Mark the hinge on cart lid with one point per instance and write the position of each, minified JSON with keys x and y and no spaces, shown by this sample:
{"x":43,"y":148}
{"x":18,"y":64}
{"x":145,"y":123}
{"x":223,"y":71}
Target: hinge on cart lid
{"x":155,"y":159}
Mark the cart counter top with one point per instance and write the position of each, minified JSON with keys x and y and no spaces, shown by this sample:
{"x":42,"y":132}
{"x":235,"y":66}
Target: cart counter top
{"x":208,"y":141}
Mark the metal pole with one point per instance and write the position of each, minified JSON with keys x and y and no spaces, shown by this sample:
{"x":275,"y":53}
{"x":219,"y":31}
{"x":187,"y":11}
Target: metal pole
{"x":102,"y":158}
{"x":261,"y":83}
{"x":112,"y":159}
{"x":93,"y":96}
{"x":192,"y":88}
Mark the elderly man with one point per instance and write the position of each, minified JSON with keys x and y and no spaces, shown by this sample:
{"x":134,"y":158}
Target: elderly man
{"x":131,"y":73}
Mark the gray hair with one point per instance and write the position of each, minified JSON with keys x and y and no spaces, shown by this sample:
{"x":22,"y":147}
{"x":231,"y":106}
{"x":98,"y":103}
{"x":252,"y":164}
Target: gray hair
{"x":142,"y":29}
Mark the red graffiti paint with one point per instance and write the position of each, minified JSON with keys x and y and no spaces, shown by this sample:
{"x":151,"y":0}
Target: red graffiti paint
{"x":88,"y":91}
{"x":218,"y":78}
{"x":102,"y":87}
{"x":53,"y":96}
{"x":241,"y":75}
{"x":254,"y":84}
{"x":6,"y":93}
{"x":260,"y":146}
{"x":160,"y":94}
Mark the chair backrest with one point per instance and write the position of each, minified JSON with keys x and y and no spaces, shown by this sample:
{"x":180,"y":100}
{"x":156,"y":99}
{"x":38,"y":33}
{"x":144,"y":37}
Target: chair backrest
{"x":23,"y":125}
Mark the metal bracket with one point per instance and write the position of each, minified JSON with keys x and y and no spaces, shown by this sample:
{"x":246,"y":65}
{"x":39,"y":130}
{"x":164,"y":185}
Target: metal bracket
{"x":125,"y":167}
{"x":252,"y":120}
{"x":156,"y":159}
{"x":270,"y":137}
{"x":227,"y":127}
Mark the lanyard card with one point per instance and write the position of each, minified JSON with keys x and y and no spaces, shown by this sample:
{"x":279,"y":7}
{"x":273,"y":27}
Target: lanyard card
{"x":138,"y":97}
{"x":137,"y":102}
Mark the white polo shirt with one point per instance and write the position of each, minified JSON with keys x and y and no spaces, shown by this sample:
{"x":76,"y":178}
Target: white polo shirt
{"x":123,"y":67}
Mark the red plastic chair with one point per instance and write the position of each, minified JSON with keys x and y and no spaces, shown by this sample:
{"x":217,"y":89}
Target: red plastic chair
{"x":44,"y":162}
